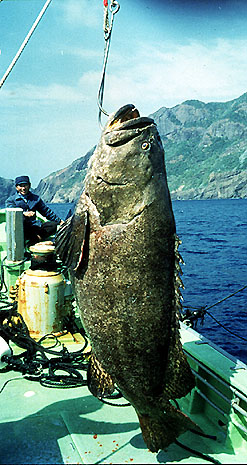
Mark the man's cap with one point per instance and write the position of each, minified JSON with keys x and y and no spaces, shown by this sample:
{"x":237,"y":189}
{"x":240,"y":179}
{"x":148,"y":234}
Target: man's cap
{"x":22,"y":180}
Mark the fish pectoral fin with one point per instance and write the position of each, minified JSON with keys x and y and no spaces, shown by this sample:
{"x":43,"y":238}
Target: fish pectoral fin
{"x":99,"y":382}
{"x":70,"y":240}
{"x":160,"y":430}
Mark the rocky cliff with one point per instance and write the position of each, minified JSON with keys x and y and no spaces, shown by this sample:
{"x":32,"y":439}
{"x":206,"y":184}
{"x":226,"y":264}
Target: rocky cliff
{"x":205,"y":151}
{"x":206,"y":148}
{"x":7,"y":188}
{"x":65,"y":185}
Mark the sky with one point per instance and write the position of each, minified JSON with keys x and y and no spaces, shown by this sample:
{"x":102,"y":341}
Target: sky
{"x":161,"y":54}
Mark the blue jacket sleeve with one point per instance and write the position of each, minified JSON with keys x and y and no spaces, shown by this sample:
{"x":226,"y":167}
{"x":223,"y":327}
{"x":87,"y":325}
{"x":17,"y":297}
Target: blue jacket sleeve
{"x":10,"y":202}
{"x":45,"y":211}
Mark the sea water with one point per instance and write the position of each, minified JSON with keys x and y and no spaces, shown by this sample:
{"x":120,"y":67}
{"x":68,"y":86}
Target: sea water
{"x":214,"y":248}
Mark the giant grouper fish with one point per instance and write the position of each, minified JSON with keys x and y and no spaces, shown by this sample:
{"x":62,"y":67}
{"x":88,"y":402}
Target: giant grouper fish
{"x":121,"y":248}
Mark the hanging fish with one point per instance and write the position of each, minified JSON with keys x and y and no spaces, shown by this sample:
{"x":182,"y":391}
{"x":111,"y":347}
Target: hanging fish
{"x":121,"y":248}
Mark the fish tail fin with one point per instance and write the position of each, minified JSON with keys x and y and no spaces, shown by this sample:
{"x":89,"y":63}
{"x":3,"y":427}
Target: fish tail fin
{"x":160,"y":431}
{"x":99,"y":382}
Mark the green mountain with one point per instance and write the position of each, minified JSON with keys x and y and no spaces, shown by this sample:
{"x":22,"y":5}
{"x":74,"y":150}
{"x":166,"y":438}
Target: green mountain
{"x":7,"y":188}
{"x":65,"y":185}
{"x":205,"y":152}
{"x":205,"y":148}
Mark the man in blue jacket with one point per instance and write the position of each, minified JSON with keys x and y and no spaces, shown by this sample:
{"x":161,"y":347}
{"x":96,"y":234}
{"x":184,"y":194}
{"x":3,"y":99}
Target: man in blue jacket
{"x":34,"y":230}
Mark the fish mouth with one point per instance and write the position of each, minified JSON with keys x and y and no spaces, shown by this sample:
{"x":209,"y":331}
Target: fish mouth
{"x":127,"y":117}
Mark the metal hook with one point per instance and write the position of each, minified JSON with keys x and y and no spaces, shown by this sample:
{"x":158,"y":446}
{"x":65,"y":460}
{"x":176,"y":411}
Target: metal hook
{"x":114,"y":7}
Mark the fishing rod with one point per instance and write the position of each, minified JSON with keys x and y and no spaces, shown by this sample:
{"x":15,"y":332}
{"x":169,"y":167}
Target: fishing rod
{"x":193,"y":314}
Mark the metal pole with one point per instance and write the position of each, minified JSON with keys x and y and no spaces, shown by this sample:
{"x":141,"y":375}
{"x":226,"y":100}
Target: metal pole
{"x":14,"y":234}
{"x":24,"y":43}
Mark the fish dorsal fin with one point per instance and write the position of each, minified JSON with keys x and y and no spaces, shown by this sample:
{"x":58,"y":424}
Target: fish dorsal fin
{"x":70,"y":240}
{"x":178,"y":283}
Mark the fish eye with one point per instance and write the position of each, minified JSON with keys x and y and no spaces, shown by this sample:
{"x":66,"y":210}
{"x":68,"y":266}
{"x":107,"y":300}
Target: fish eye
{"x":146,"y":145}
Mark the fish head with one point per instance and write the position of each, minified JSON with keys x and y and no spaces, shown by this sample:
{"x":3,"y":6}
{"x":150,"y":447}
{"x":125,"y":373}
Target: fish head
{"x":126,"y":167}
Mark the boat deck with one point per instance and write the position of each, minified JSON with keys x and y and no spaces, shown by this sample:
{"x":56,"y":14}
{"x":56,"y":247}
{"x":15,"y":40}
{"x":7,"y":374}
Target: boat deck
{"x":40,"y":425}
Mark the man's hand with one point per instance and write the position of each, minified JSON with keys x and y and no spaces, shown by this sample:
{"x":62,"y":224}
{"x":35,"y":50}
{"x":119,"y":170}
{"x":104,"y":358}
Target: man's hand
{"x":60,"y":224}
{"x":29,"y":214}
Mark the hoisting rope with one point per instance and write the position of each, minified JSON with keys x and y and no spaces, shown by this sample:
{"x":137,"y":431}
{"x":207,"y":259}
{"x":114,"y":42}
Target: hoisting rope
{"x":193,"y":314}
{"x":108,"y":26}
{"x":24,"y":43}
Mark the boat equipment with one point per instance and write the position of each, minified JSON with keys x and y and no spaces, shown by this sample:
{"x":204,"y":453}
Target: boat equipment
{"x":191,"y":315}
{"x":15,"y":234}
{"x":24,"y":43}
{"x":4,"y":351}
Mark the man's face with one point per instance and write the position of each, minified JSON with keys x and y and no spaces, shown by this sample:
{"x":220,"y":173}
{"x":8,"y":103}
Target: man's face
{"x":23,"y":188}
